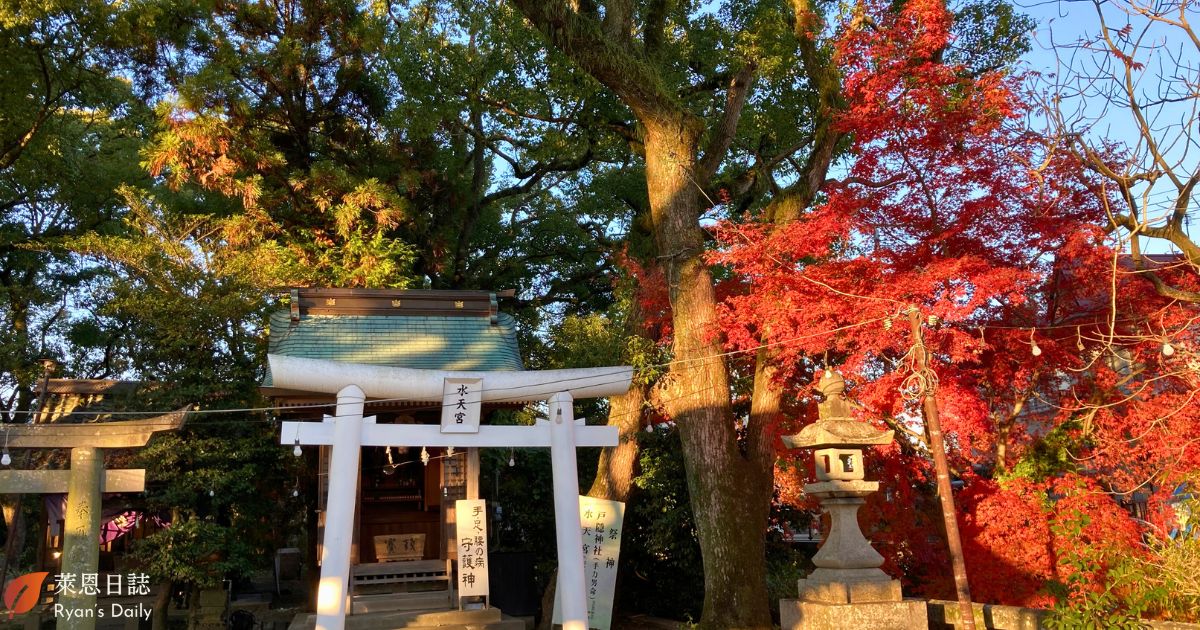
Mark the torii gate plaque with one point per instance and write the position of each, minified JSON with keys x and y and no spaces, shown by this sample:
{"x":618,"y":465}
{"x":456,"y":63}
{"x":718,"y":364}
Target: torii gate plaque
{"x":347,"y":432}
{"x":83,"y":483}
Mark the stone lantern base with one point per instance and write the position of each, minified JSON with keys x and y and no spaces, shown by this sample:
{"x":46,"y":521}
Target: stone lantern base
{"x":849,"y":586}
{"x":907,"y":614}
{"x":867,"y":599}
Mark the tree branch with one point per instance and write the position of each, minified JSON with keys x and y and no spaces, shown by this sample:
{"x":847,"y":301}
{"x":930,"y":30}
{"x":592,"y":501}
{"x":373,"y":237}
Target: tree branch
{"x":722,"y":135}
{"x":583,"y":40}
{"x":652,"y":36}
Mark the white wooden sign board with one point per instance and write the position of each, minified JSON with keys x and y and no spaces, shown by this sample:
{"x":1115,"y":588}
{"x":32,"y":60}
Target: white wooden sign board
{"x":471,"y":540}
{"x":600,"y":522}
{"x":462,"y":401}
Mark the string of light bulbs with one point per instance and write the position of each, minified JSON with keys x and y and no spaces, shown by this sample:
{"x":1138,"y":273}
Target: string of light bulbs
{"x":1167,"y":349}
{"x":667,"y":364}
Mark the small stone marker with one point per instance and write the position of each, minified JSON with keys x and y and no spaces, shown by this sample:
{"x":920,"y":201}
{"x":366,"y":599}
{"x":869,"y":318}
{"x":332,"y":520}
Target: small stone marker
{"x":471,"y":534}
{"x":600,"y":522}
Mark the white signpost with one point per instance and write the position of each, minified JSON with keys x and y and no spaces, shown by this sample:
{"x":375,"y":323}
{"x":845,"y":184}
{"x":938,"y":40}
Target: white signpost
{"x":471,"y":539}
{"x":600,"y":524}
{"x":347,"y":432}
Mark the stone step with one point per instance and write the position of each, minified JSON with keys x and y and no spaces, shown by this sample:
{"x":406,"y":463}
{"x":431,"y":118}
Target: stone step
{"x":390,"y":602}
{"x":484,"y":619}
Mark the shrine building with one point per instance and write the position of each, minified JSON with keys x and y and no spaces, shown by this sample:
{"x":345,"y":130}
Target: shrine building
{"x":406,"y":493}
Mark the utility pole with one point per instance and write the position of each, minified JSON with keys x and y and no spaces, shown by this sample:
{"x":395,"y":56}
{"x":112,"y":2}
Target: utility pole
{"x":966,"y":612}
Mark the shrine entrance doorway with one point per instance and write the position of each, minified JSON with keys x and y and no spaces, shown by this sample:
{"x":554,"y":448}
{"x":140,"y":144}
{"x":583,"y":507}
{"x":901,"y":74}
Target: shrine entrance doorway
{"x":403,"y":545}
{"x":400,"y":496}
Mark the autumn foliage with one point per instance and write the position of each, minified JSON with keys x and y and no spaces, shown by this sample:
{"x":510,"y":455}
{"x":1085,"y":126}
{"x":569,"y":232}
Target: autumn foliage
{"x":1052,"y":383}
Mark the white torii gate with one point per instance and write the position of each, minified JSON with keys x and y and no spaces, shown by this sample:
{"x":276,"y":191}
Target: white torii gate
{"x":347,"y":432}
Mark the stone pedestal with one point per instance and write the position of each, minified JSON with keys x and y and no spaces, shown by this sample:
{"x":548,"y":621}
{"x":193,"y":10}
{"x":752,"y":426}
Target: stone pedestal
{"x":208,"y":611}
{"x":907,"y":614}
{"x":845,"y":547}
{"x":848,"y":589}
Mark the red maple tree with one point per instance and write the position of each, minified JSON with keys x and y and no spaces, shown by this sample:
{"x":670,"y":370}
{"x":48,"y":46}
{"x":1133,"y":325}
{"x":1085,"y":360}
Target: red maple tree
{"x":947,"y":202}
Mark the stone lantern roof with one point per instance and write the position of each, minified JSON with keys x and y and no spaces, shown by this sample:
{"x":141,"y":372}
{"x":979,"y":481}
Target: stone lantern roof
{"x":836,"y":428}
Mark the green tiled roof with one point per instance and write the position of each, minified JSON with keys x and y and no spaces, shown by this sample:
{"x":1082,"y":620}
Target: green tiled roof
{"x":412,"y":341}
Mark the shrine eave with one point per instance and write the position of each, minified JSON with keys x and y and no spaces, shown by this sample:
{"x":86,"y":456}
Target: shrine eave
{"x":293,"y":401}
{"x":396,"y":383}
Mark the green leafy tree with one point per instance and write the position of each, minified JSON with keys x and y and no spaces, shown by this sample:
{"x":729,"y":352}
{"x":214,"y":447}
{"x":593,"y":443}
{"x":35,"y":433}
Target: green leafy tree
{"x":186,"y":315}
{"x":68,"y":139}
{"x":68,"y":130}
{"x":380,"y":146}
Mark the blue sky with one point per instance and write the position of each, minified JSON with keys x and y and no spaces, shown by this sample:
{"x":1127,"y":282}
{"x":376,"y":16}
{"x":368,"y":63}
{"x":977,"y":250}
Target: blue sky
{"x":1166,"y":52}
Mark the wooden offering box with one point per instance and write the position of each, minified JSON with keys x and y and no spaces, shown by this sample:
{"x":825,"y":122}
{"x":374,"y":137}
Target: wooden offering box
{"x":397,"y":547}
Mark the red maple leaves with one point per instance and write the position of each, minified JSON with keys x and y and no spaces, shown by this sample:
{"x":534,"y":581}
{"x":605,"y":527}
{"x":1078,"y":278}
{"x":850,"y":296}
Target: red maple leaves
{"x":949,"y":204}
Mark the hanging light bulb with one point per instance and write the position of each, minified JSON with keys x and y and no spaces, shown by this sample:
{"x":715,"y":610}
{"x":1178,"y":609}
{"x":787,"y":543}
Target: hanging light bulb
{"x":449,"y":451}
{"x":1168,"y":349}
{"x":424,"y":456}
{"x":5,"y":459}
{"x":296,"y":449}
{"x":295,"y":492}
{"x":1037,"y":351}
{"x":512,"y":461}
{"x":212,"y":493}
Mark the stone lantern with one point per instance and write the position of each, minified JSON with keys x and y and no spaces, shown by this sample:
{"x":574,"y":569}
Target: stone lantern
{"x":847,"y":589}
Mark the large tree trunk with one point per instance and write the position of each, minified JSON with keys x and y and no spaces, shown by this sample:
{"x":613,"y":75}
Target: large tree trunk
{"x":726,"y":497}
{"x":614,"y":474}
{"x":728,"y":502}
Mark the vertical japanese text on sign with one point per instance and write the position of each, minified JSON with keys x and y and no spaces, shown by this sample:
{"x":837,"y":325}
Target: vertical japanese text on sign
{"x":600,"y":523}
{"x":471,"y":532}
